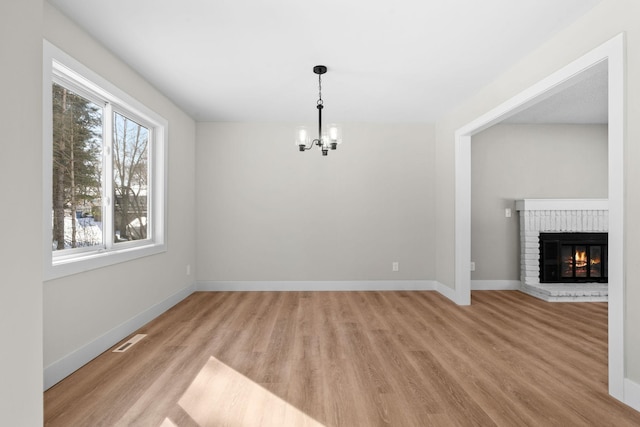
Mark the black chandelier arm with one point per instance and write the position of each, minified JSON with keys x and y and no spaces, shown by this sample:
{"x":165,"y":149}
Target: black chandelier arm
{"x":305,"y":148}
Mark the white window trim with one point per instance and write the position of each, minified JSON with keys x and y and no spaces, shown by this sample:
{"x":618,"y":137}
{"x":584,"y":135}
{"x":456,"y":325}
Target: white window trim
{"x":84,"y":261}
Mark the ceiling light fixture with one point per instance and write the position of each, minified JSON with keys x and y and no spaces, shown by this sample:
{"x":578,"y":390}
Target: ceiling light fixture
{"x":326,"y":141}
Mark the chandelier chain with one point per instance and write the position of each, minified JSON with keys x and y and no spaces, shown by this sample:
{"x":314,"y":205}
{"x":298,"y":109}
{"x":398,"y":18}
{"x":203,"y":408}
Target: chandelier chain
{"x":320,"y":102}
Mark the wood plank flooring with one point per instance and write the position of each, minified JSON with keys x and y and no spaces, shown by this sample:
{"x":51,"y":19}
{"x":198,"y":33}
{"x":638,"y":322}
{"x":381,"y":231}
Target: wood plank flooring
{"x":352,"y":359}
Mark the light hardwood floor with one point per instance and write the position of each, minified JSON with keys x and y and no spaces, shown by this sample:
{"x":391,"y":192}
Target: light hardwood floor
{"x":352,"y":359}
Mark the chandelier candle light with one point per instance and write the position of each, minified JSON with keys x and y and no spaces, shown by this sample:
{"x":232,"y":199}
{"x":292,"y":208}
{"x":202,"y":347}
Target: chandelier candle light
{"x":325,"y":141}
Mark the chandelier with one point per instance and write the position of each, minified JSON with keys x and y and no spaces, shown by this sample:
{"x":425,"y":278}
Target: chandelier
{"x":328,"y":140}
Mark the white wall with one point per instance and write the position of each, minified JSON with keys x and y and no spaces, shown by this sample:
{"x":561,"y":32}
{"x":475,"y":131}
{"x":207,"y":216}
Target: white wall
{"x":269,"y":212}
{"x":510,"y":162}
{"x":605,"y":21}
{"x":80,"y":309}
{"x":20,"y":173}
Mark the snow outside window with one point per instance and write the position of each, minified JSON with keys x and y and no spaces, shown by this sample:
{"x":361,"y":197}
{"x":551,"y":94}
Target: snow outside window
{"x":104,"y":168}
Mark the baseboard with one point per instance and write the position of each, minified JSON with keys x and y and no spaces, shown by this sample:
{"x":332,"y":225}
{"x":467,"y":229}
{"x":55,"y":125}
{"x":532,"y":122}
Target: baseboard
{"x":495,"y":285}
{"x":61,"y":368}
{"x":447,"y":292}
{"x":317,"y":285}
{"x":632,"y":394}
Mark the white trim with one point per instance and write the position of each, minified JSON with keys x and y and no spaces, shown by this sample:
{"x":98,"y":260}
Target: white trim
{"x":59,"y":265}
{"x":65,"y":366}
{"x":93,"y":260}
{"x":632,"y":394}
{"x":463,"y":219}
{"x":562,"y":205}
{"x":317,"y":285}
{"x":448,"y":292}
{"x":495,"y":285}
{"x":613,"y":52}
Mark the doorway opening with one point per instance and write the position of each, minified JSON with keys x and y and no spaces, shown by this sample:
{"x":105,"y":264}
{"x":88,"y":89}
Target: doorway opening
{"x":612,"y":52}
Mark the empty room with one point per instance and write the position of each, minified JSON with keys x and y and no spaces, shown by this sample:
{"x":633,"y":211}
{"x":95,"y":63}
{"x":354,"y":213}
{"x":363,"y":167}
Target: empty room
{"x":406,"y":213}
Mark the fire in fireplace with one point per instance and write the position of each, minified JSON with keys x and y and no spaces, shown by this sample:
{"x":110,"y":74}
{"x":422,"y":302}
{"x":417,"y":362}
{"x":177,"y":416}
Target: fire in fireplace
{"x":573,"y":257}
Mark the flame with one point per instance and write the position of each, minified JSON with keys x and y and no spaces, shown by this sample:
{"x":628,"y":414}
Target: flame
{"x":581,"y":258}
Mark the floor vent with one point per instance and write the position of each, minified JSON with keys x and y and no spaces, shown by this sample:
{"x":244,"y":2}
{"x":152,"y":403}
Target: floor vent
{"x":127,"y":345}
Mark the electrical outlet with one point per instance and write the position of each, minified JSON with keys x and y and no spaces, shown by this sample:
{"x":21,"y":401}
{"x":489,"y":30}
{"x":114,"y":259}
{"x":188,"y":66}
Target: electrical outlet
{"x":395,"y":266}
{"x":507,"y":213}
{"x":188,"y":269}
{"x":473,"y":266}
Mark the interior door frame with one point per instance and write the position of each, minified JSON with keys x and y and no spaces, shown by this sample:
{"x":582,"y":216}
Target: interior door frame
{"x":612,"y":52}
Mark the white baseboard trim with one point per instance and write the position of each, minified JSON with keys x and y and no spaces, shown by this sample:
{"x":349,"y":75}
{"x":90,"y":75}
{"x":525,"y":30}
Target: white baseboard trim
{"x":632,"y":394}
{"x":495,"y":285}
{"x":80,"y":357}
{"x":447,"y":292}
{"x":352,"y":285}
{"x":317,"y":285}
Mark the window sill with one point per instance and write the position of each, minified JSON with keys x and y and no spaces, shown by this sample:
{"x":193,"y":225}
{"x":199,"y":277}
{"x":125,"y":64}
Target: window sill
{"x":94,"y":260}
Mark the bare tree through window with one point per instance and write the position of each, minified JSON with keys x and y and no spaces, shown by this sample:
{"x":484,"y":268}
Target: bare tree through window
{"x":77,"y":170}
{"x":131,"y":177}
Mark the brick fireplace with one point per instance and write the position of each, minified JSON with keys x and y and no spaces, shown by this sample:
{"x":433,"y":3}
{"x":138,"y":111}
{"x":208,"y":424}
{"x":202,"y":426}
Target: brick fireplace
{"x":576,"y":216}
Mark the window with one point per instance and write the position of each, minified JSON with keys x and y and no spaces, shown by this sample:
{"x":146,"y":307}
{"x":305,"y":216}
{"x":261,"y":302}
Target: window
{"x":104,"y":171}
{"x":76,"y":192}
{"x":130,"y":179}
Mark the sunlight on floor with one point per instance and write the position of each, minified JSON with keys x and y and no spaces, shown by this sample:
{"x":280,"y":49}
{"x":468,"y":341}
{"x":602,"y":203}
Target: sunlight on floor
{"x":167,"y":423}
{"x":220,"y":395}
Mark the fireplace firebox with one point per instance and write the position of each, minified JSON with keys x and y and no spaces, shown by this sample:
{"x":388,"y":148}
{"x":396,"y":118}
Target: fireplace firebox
{"x":573,"y":257}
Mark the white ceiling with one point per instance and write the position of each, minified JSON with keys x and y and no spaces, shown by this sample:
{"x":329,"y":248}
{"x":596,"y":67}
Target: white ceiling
{"x":389,"y":61}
